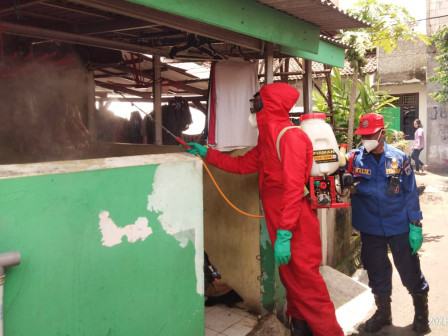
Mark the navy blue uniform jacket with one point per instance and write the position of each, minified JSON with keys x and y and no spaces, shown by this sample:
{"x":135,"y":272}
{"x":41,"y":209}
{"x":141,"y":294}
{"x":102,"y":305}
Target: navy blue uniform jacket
{"x":374,"y":210}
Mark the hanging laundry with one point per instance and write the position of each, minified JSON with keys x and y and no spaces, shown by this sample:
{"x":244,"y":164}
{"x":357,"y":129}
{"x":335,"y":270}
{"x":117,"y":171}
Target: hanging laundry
{"x":235,"y":82}
{"x":148,"y":131}
{"x":120,"y":132}
{"x":135,"y":128}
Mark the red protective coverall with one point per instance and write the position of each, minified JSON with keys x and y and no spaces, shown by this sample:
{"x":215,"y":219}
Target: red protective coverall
{"x":281,"y":190}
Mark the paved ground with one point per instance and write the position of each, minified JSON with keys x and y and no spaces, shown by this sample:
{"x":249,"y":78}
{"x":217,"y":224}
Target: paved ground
{"x":434,"y":263}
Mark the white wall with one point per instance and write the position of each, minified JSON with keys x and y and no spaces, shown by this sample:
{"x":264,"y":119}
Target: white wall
{"x":437,"y":157}
{"x":422,"y":105}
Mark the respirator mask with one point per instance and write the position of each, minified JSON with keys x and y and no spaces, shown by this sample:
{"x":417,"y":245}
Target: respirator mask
{"x":253,"y":120}
{"x":370,"y":145}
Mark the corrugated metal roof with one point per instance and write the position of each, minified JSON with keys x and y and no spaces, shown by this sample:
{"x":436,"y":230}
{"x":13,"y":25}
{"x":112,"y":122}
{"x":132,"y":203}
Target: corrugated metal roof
{"x":336,"y":42}
{"x":317,"y":12}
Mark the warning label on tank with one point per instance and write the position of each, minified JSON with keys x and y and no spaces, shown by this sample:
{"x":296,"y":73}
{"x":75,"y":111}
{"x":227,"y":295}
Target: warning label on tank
{"x":325,"y":155}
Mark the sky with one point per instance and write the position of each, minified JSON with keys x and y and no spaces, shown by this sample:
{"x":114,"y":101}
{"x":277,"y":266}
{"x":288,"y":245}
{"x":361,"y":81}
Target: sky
{"x":417,"y":8}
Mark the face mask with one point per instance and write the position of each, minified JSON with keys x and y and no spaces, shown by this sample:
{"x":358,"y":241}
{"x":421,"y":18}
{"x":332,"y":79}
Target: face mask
{"x":253,"y":120}
{"x":370,"y":145}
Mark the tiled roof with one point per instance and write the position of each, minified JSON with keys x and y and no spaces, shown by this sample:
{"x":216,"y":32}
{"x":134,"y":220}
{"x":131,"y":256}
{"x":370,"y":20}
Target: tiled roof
{"x":319,"y":70}
{"x":369,"y":68}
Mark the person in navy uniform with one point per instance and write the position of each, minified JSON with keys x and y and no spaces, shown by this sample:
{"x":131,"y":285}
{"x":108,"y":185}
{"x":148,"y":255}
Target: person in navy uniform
{"x":386,"y":211}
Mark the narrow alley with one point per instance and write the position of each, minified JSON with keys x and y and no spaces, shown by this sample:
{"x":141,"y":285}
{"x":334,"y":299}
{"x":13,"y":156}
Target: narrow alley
{"x":434,"y":263}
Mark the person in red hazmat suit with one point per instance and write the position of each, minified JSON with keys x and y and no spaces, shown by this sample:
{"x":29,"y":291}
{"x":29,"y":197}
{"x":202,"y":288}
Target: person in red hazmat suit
{"x":291,"y":222}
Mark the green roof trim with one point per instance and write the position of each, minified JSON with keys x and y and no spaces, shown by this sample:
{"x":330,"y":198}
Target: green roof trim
{"x":246,"y":17}
{"x":328,"y":54}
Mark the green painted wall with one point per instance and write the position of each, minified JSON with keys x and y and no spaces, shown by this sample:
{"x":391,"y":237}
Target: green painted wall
{"x":267,"y":264}
{"x":77,"y":278}
{"x":273,"y":293}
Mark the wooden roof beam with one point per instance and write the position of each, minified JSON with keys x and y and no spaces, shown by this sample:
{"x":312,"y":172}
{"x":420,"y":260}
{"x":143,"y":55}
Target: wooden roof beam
{"x":6,"y":8}
{"x":174,"y":21}
{"x":22,"y":30}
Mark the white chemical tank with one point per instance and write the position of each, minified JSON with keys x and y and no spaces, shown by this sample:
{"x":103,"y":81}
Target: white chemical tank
{"x":325,"y":146}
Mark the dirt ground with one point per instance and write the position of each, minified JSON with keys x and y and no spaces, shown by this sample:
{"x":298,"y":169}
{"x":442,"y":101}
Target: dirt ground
{"x":434,"y":263}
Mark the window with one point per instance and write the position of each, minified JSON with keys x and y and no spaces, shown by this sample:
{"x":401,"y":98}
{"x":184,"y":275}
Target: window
{"x":408,"y":104}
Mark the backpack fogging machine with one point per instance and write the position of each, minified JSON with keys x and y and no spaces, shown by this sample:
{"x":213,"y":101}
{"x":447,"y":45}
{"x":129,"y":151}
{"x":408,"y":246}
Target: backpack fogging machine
{"x":327,"y":184}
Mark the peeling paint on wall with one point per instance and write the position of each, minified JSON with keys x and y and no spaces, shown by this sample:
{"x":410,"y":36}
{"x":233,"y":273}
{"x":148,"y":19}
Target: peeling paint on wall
{"x":94,"y":238}
{"x":173,"y":202}
{"x":113,"y":235}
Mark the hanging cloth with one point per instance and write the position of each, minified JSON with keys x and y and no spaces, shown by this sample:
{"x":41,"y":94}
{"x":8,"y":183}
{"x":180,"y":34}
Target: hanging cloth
{"x":135,"y":128}
{"x":235,"y":82}
{"x":211,"y":126}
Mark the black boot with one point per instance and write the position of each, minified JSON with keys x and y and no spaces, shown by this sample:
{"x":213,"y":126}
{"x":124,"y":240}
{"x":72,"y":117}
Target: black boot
{"x":382,"y":316}
{"x":421,"y":323}
{"x":300,"y":328}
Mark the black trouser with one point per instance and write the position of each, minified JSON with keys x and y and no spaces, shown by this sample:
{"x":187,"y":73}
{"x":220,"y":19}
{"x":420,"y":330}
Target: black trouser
{"x":414,"y":156}
{"x":379,"y":269}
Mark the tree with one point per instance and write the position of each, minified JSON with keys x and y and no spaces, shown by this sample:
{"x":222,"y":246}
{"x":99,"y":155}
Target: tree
{"x":368,"y":100}
{"x":440,"y":40}
{"x":389,"y":24}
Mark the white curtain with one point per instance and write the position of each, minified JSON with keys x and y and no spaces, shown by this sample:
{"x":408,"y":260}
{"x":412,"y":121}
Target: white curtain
{"x":236,"y":81}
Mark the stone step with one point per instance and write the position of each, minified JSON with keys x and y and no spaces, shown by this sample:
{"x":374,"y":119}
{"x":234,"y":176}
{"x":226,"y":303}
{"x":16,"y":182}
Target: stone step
{"x":352,"y":299}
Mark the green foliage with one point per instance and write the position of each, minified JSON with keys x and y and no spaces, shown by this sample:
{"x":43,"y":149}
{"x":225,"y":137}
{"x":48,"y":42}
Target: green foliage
{"x":440,"y":40}
{"x":360,"y":41}
{"x":390,"y":23}
{"x":370,"y":99}
{"x":396,"y":139}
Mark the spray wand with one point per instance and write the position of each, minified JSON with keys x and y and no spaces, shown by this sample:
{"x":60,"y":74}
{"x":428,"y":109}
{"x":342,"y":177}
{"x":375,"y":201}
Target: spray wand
{"x":183,"y":143}
{"x":178,"y":139}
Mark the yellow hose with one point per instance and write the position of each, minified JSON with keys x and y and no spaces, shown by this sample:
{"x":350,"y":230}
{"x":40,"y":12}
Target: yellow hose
{"x":222,"y":194}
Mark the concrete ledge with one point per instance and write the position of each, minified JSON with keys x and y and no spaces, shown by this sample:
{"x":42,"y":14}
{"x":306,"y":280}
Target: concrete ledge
{"x":60,"y":167}
{"x":352,"y":299}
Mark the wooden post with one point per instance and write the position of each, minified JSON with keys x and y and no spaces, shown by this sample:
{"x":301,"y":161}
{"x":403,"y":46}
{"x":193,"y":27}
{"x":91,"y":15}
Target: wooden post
{"x":91,"y":115}
{"x":269,"y":63}
{"x":308,"y":87}
{"x":157,"y":98}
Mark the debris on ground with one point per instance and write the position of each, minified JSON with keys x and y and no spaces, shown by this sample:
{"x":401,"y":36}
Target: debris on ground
{"x":269,"y":325}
